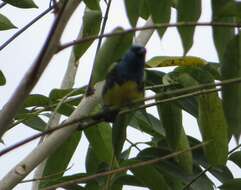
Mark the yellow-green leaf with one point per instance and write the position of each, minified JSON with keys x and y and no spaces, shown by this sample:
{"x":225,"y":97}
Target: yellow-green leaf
{"x":165,"y":61}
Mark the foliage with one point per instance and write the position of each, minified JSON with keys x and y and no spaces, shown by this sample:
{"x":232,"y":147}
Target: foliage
{"x":218,"y":117}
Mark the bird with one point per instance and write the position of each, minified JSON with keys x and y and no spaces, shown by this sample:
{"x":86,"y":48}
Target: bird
{"x":124,"y":82}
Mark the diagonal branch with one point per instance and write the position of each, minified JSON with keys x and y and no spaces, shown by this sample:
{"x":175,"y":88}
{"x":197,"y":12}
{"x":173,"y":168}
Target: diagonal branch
{"x":25,"y":28}
{"x":123,"y":169}
{"x":149,"y":27}
{"x":163,"y":97}
{"x":32,"y":76}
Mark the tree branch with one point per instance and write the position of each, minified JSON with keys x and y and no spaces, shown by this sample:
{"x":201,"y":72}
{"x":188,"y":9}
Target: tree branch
{"x":179,"y":94}
{"x":32,"y":76}
{"x":178,"y":24}
{"x":25,"y":28}
{"x":124,"y":169}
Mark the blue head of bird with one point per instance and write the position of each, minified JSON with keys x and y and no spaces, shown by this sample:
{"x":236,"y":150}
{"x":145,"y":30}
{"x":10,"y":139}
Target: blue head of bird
{"x":134,"y":60}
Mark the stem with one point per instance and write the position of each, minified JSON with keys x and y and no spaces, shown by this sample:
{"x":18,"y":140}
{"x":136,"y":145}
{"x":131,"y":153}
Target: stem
{"x":178,"y":24}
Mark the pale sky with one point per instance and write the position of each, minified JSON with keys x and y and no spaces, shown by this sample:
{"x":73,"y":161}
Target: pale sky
{"x":19,"y":55}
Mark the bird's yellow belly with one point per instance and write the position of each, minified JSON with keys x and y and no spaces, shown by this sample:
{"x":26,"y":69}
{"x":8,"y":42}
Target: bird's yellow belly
{"x":123,"y":94}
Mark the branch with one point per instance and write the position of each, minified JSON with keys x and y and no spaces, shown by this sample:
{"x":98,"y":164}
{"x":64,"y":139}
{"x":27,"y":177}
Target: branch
{"x":89,"y":87}
{"x":206,"y":170}
{"x":32,"y":76}
{"x":178,"y":24}
{"x":124,"y":169}
{"x":51,"y":143}
{"x":25,"y":28}
{"x":96,"y":117}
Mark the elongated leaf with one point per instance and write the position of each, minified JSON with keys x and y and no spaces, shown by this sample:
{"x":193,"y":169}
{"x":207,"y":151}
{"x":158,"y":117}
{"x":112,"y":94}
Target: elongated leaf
{"x":221,"y":35}
{"x":36,"y":100}
{"x":2,"y":79}
{"x":149,"y":176}
{"x":236,"y":158}
{"x":133,"y":10}
{"x":59,"y":160}
{"x":100,"y":139}
{"x":111,"y":51}
{"x":119,"y":133}
{"x":92,"y":4}
{"x":231,"y":68}
{"x":26,"y":4}
{"x":234,"y":184}
{"x":160,"y":12}
{"x":90,"y":27}
{"x":164,"y":61}
{"x":144,"y":9}
{"x":5,"y":23}
{"x":127,"y":180}
{"x":171,"y":117}
{"x":213,"y":128}
{"x":150,"y":125}
{"x":188,"y":11}
{"x":231,"y":8}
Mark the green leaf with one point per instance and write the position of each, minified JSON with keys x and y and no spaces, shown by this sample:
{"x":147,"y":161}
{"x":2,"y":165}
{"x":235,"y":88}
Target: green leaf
{"x":158,"y":16}
{"x":213,"y":127}
{"x":58,"y":162}
{"x":164,"y":61}
{"x":92,"y":4}
{"x":231,"y":8}
{"x":171,"y":170}
{"x":36,"y":100}
{"x":125,"y":179}
{"x":5,"y":23}
{"x":144,"y":9}
{"x":221,"y":35}
{"x":148,"y":124}
{"x":90,"y":27}
{"x":119,"y":133}
{"x":2,"y":79}
{"x":231,"y":68}
{"x":171,"y":117}
{"x":236,"y":158}
{"x":222,"y":173}
{"x":234,"y":184}
{"x":25,"y":4}
{"x":57,"y":94}
{"x":149,"y":176}
{"x":100,"y":139}
{"x":188,"y":11}
{"x":112,"y":50}
{"x":133,"y":10}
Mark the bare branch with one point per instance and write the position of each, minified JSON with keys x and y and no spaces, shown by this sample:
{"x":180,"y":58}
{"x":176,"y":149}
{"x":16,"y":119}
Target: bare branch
{"x":25,"y":28}
{"x":124,"y":169}
{"x":32,"y":76}
{"x":178,"y":24}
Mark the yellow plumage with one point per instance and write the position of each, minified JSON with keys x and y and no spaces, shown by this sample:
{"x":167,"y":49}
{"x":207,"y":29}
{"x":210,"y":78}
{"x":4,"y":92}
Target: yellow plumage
{"x":123,"y":94}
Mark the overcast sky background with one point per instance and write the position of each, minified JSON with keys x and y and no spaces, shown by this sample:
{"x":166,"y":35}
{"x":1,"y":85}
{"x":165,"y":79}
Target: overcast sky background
{"x":20,"y":54}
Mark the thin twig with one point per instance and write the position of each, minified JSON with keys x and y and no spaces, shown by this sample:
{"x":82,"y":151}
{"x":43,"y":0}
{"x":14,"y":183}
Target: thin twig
{"x":89,"y":90}
{"x":123,"y":169}
{"x":178,"y":24}
{"x":47,"y":177}
{"x":133,"y":144}
{"x":206,"y":170}
{"x":99,"y":116}
{"x":25,"y":27}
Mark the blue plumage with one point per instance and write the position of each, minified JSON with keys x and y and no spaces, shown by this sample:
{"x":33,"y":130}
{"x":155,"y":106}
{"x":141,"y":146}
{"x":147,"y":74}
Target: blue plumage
{"x":125,"y":82}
